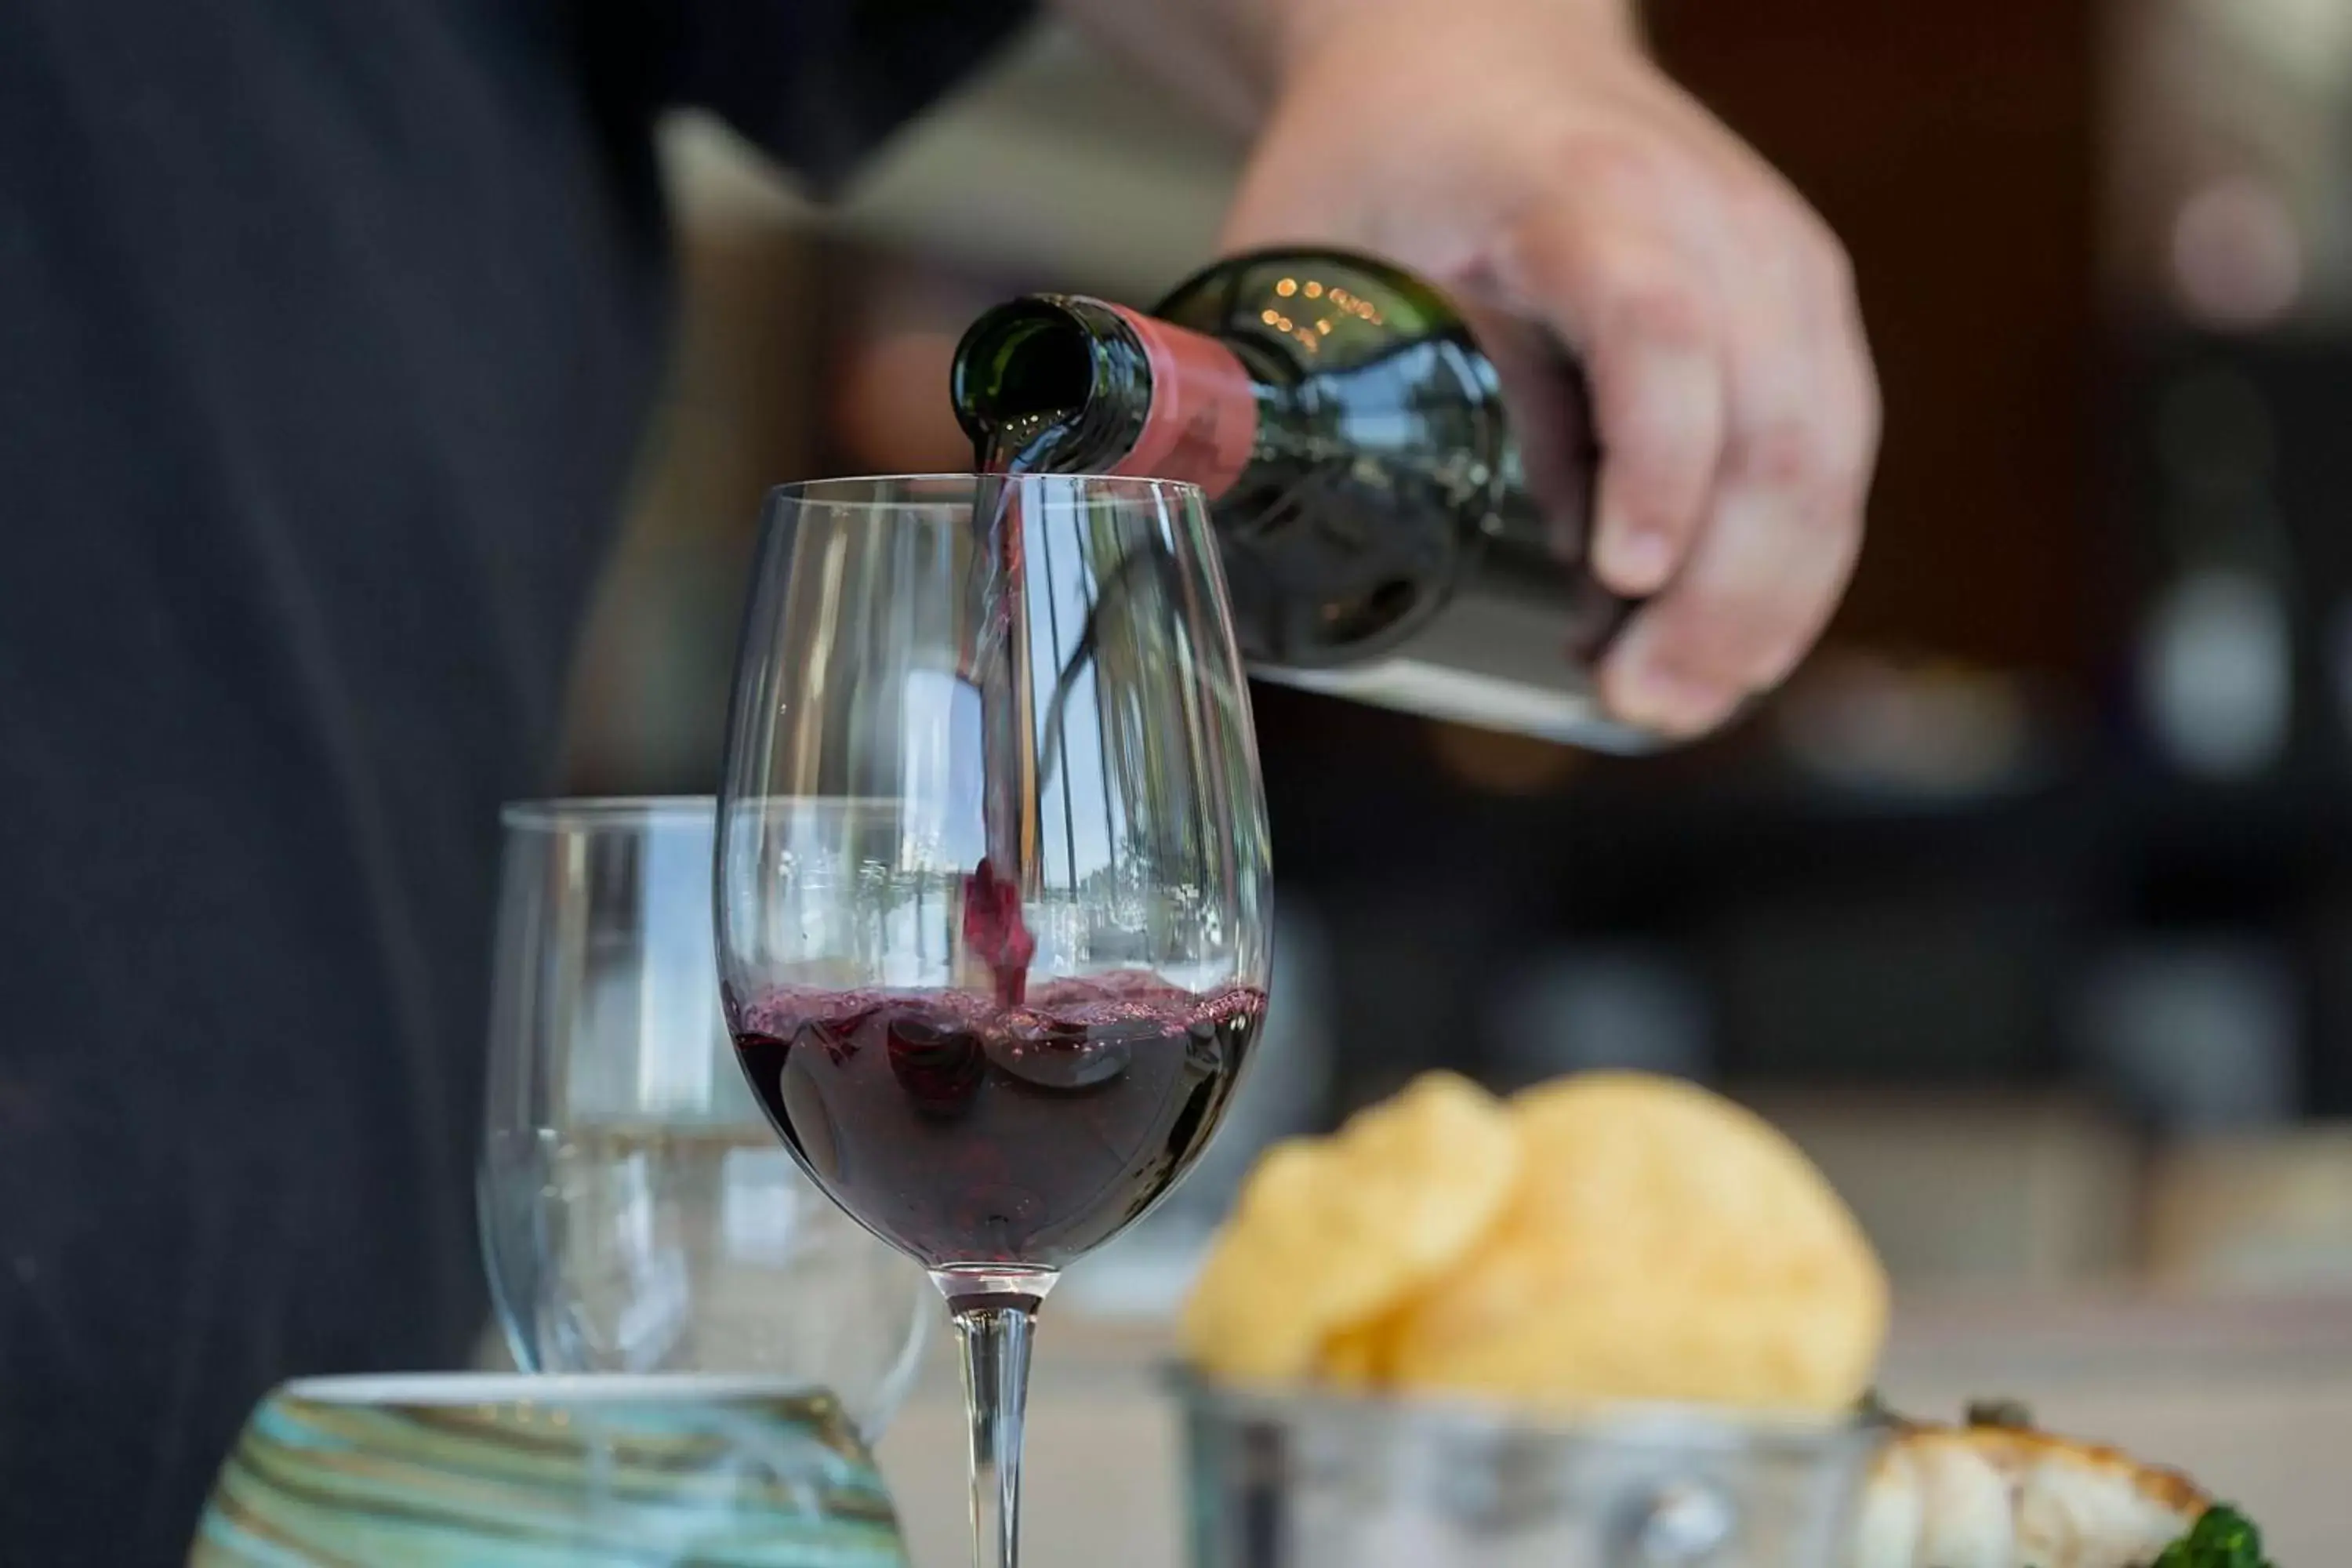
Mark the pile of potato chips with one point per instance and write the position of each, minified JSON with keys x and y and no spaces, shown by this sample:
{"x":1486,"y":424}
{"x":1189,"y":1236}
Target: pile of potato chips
{"x":1605,"y":1236}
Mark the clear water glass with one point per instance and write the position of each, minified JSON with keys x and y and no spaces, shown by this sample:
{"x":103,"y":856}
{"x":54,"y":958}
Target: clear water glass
{"x":636,"y":1213}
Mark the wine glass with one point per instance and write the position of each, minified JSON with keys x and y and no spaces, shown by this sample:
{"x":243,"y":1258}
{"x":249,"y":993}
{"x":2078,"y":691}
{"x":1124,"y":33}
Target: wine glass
{"x":992,"y":885}
{"x":636,"y":1215}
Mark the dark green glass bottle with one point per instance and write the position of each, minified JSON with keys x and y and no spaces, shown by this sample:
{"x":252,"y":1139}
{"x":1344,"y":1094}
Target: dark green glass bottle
{"x":1378,"y":538}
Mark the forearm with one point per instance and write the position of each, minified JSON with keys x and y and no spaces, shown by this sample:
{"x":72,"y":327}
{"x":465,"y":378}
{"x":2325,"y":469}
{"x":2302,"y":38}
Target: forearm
{"x":1228,"y":58}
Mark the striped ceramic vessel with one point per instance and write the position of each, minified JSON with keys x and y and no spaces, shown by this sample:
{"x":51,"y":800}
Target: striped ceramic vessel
{"x":534,"y":1472}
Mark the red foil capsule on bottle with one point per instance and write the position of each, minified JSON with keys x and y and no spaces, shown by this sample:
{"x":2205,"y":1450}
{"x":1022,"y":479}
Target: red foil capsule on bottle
{"x":1203,"y":424}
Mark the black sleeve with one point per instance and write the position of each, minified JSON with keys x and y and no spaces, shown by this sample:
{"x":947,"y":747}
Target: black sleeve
{"x":819,"y":82}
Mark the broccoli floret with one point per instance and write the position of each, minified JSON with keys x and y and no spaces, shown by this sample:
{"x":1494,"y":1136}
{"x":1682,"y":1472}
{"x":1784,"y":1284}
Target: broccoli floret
{"x":2223,"y":1537}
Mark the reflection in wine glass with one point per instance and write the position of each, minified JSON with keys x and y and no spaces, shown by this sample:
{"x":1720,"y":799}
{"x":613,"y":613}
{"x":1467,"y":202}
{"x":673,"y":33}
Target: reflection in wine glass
{"x":992,"y":885}
{"x":636,"y":1213}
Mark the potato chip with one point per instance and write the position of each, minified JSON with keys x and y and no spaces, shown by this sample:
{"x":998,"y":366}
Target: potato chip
{"x":1357,"y":1357}
{"x":1663,"y":1243}
{"x":1331,"y":1233}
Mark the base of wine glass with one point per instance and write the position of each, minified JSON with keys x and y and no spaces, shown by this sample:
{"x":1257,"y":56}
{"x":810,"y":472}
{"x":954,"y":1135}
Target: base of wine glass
{"x":991,"y":1284}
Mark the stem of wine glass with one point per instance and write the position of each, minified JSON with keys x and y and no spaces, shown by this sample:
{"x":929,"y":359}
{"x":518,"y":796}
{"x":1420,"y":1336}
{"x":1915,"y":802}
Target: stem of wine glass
{"x":995,"y":1315}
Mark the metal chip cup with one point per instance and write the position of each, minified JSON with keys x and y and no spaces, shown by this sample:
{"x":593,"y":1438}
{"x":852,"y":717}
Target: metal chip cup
{"x":1314,"y":1480}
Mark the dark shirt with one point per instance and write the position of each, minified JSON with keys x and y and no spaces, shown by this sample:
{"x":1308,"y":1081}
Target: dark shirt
{"x":327,"y":331}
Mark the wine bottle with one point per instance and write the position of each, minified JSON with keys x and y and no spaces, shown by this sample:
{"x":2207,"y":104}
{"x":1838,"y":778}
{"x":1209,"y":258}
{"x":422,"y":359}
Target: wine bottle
{"x":1380,"y":539}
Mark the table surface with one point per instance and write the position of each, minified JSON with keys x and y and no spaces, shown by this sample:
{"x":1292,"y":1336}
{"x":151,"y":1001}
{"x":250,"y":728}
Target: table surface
{"x":2253,"y":1398}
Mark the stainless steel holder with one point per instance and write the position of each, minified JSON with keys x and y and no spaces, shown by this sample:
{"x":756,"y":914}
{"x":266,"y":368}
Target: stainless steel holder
{"x":1324,"y":1481}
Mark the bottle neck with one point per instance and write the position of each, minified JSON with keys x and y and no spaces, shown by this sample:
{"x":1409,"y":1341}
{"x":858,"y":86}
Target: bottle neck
{"x":1068,"y":384}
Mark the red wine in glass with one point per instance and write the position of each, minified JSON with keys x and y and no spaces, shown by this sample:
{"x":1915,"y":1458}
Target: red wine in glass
{"x":967,"y":1131}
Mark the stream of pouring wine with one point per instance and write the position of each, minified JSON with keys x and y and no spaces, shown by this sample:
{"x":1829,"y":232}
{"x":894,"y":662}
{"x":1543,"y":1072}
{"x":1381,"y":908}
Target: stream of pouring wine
{"x":994,"y":930}
{"x":1019,"y":757}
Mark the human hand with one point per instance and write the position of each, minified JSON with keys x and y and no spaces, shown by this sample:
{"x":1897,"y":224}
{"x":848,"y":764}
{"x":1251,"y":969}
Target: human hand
{"x":1528,"y":154}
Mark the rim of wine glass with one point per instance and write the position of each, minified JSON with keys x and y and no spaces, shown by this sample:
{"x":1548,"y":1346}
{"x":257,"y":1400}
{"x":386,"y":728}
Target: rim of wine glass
{"x":814,"y":489}
{"x":561,"y":814}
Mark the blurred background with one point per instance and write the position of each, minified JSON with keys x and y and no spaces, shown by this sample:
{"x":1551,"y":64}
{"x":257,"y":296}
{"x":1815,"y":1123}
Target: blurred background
{"x":2028,"y":905}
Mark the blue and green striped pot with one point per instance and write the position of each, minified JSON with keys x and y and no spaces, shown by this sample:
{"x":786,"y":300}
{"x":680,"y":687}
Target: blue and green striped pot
{"x":537,"y":1472}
